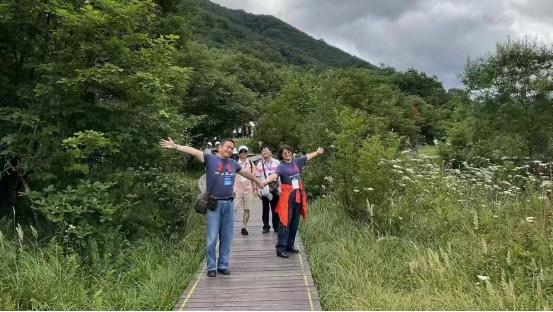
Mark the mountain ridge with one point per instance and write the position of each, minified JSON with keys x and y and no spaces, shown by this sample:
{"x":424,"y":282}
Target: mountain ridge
{"x":268,"y":38}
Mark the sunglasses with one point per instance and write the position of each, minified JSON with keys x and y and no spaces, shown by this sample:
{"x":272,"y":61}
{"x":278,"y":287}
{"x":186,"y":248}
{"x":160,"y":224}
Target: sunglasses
{"x":242,"y":151}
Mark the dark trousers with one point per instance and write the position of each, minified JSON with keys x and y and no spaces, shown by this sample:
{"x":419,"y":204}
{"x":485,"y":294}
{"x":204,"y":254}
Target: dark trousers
{"x":287,"y":234}
{"x":265,"y":216}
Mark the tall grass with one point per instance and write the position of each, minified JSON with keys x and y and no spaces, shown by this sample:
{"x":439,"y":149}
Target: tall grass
{"x":149,"y":275}
{"x":446,"y":241}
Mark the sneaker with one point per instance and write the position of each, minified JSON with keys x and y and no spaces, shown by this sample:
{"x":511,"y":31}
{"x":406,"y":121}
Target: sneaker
{"x":266,"y":230}
{"x":211,"y":273}
{"x":224,"y":271}
{"x":244,"y":231}
{"x":283,"y":254}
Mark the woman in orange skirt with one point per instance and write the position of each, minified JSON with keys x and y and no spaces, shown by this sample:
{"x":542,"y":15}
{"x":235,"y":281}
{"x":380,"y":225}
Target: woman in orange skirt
{"x":293,"y":199}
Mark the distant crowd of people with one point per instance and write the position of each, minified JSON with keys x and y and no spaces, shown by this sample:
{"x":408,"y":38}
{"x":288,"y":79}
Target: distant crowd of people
{"x":277,"y":183}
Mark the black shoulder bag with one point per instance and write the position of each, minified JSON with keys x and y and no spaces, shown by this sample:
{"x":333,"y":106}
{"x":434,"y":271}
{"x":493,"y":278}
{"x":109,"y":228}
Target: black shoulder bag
{"x":273,"y":186}
{"x":205,"y":200}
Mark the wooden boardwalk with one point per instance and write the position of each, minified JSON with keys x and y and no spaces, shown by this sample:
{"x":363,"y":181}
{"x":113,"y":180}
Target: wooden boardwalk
{"x":259,"y":280}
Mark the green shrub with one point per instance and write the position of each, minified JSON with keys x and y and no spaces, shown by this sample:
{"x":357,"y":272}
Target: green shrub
{"x":359,"y":178}
{"x":86,"y":218}
{"x":86,"y":150}
{"x":165,"y":201}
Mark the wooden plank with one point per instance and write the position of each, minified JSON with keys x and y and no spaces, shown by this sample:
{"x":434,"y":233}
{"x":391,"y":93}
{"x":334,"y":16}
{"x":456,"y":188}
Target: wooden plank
{"x":259,"y":280}
{"x":265,"y":289}
{"x":248,"y":297}
{"x":243,"y":284}
{"x":272,"y":305}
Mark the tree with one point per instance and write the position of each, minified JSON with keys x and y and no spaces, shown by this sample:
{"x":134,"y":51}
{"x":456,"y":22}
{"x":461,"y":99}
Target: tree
{"x":78,"y":66}
{"x":511,"y":89}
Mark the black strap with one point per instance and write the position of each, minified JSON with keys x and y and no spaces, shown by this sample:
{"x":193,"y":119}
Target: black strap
{"x":263,"y":165}
{"x":251,"y":166}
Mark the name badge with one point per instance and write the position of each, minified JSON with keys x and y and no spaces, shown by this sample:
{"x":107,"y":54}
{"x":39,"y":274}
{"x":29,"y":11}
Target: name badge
{"x":295,"y":184}
{"x":228,"y":180}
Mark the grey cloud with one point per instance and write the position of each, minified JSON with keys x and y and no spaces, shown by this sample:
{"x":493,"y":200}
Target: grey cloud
{"x":429,"y":35}
{"x":535,"y":9}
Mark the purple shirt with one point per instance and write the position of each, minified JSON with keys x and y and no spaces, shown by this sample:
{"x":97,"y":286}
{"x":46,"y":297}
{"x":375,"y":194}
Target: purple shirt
{"x":288,"y":171}
{"x":221,"y":173}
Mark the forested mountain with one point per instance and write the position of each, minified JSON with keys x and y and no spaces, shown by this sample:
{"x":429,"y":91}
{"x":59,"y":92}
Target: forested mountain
{"x":266,"y":37}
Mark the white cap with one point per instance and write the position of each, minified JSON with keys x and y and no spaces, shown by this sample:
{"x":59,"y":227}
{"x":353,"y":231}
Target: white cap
{"x":209,"y":143}
{"x":217,"y":143}
{"x":243,"y":147}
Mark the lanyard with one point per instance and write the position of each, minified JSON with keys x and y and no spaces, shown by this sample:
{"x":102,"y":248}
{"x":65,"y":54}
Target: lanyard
{"x":295,"y":169}
{"x":270,"y":165}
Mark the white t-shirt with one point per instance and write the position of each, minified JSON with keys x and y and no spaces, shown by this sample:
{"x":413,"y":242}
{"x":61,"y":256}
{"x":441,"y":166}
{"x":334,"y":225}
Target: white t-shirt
{"x":270,"y":167}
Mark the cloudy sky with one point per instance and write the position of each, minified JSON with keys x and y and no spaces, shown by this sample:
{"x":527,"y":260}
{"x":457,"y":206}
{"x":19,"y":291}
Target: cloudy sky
{"x":433,"y":36}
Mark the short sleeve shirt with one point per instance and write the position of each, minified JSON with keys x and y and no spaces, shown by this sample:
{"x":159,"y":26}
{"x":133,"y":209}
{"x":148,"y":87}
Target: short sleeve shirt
{"x":220,"y":175}
{"x":289,"y":171}
{"x":243,"y":185}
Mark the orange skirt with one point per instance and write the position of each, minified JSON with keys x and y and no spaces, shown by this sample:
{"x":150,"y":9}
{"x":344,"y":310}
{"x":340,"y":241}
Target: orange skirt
{"x":282,"y":205}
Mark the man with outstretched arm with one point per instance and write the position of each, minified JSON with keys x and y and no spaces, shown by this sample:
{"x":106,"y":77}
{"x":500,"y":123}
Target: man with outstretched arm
{"x":220,"y":171}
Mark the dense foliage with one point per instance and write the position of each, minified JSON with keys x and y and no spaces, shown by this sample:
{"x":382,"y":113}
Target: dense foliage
{"x":89,"y":87}
{"x":446,"y":239}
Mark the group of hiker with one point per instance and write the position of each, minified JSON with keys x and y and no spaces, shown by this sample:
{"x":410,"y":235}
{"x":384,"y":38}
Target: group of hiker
{"x":277,"y":183}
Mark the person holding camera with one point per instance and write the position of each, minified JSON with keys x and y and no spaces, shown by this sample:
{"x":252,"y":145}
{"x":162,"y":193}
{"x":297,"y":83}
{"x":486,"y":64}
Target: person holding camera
{"x":293,"y":198}
{"x":269,"y":194}
{"x":220,"y":174}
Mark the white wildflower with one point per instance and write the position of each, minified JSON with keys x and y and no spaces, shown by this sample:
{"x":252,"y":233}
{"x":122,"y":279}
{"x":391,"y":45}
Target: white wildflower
{"x":483,"y":278}
{"x":34,"y":231}
{"x":530,"y":219}
{"x":19,"y":231}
